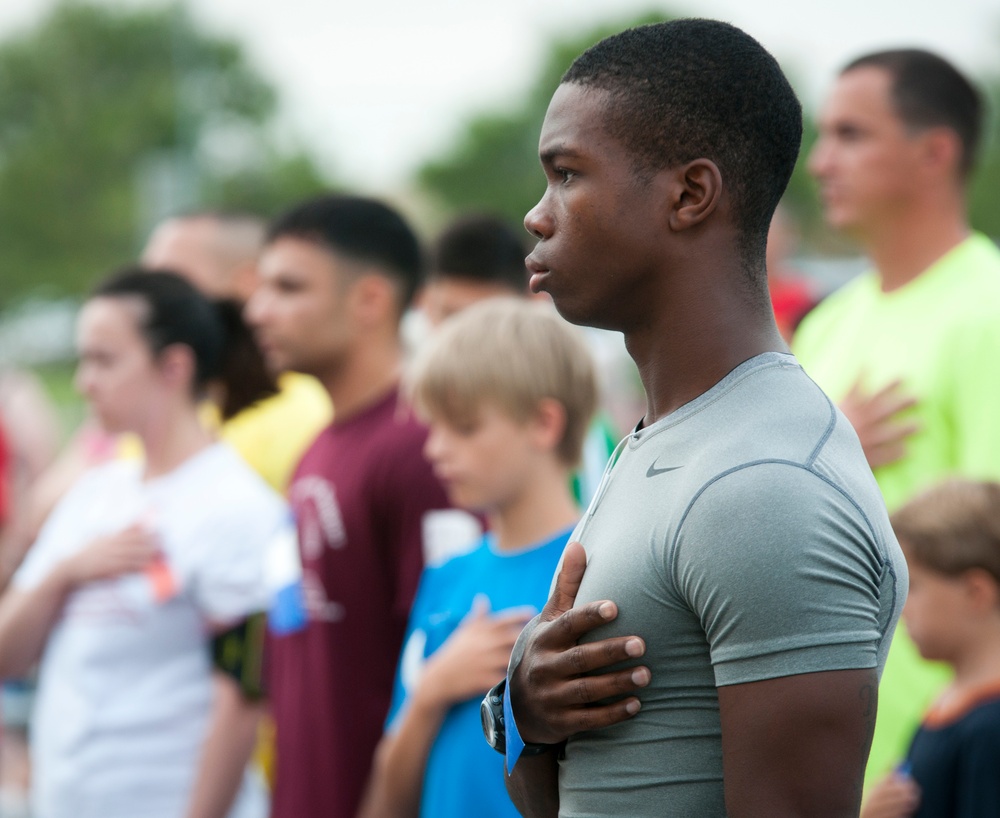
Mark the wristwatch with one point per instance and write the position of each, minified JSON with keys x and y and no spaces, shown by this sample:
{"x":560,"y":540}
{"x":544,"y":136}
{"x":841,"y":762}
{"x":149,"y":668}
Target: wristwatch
{"x":491,"y":712}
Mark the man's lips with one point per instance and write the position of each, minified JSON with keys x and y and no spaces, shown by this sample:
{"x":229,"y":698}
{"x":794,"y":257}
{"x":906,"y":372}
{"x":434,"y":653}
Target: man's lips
{"x":538,"y":272}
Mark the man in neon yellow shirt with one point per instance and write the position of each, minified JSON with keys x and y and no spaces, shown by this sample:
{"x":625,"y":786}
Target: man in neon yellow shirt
{"x":909,"y":349}
{"x":218,"y":253}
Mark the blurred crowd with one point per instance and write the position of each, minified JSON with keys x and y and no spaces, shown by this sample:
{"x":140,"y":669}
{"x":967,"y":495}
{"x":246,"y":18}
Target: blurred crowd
{"x":327,"y":474}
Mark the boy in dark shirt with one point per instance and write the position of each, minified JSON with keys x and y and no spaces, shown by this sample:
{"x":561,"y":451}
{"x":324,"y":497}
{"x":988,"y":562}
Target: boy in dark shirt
{"x":951,"y":538}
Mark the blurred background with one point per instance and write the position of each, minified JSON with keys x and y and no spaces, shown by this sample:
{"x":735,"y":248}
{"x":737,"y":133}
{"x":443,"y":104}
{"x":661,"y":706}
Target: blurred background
{"x":115,"y":114}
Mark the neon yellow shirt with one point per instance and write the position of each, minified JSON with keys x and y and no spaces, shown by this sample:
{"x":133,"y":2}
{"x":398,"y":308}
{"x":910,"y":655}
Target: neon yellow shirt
{"x":939,"y":334}
{"x":273,"y":434}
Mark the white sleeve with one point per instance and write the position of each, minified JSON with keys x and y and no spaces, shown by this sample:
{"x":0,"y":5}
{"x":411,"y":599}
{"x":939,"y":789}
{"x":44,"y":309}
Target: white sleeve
{"x":230,"y":581}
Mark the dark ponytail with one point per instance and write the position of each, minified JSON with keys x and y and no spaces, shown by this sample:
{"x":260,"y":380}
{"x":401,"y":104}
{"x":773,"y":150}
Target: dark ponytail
{"x":243,"y":371}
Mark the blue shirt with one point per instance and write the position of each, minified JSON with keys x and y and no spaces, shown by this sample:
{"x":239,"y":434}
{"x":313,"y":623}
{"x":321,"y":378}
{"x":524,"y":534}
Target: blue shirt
{"x":464,"y":776}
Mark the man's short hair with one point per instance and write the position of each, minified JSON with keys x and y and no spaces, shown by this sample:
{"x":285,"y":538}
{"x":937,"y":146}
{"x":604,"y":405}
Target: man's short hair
{"x":953,"y":527}
{"x":929,"y":92}
{"x":509,"y":353}
{"x":361,"y":230}
{"x":481,"y":248}
{"x":689,"y":89}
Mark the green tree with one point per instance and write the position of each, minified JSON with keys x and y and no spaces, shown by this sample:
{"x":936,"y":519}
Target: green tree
{"x":108,"y":117}
{"x":984,"y":195}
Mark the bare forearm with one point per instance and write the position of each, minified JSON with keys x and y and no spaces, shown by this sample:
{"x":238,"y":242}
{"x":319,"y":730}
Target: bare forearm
{"x":401,"y":760}
{"x":534,"y":786}
{"x":26,"y":619}
{"x":227,"y":750}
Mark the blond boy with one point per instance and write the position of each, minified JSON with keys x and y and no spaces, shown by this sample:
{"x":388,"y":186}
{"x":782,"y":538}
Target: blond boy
{"x":951,"y":538}
{"x":508,"y":388}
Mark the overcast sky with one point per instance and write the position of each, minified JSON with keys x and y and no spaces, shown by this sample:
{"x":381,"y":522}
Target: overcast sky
{"x":374,"y":88}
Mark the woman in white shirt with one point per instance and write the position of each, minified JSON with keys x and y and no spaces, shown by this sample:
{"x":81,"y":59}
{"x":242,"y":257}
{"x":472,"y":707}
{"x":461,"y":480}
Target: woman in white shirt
{"x":136,"y":569}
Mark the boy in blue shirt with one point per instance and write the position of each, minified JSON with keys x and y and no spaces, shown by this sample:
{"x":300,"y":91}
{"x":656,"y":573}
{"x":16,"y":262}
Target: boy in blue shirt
{"x":951,"y":538}
{"x":508,"y":388}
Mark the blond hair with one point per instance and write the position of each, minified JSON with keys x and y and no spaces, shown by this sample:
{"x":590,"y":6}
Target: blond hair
{"x":511,"y":353}
{"x":953,"y":527}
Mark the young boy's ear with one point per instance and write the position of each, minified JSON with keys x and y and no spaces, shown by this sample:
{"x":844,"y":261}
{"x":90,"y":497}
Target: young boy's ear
{"x":549,"y":424}
{"x":983,"y":589}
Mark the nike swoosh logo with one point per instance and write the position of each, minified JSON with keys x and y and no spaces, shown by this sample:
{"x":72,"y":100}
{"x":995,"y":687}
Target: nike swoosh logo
{"x":652,"y":471}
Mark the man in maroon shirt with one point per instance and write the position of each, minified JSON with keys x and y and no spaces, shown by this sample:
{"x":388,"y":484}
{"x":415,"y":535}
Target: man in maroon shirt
{"x":337,"y":274}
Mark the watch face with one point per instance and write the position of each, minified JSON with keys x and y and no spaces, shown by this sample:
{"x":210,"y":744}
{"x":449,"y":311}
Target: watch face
{"x":489,"y":723}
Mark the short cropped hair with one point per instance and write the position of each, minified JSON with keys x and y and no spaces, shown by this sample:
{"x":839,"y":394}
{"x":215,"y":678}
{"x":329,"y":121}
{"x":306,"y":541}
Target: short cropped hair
{"x":362,"y":230}
{"x":929,"y":92}
{"x":953,"y":527}
{"x":510,"y":353}
{"x":689,"y":89}
{"x":481,"y":248}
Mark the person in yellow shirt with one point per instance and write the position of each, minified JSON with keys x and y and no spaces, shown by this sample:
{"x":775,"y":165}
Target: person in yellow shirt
{"x":908,"y":350}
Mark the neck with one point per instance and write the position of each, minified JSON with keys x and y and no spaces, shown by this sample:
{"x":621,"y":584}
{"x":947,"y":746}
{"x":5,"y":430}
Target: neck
{"x":170,"y":439}
{"x":369,"y":372}
{"x":695,"y":335}
{"x":543,"y":507}
{"x":904,"y":247}
{"x":978,"y":663}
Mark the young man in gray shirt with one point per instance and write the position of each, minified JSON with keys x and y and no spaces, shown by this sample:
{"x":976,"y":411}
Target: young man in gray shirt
{"x":739,"y":547}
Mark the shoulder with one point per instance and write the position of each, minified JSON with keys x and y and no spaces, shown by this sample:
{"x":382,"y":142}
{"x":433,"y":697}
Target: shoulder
{"x":836,"y":320}
{"x":843,"y":300}
{"x":771,"y":520}
{"x":981,"y":724}
{"x":232,"y":485}
{"x":762,"y":489}
{"x":478,"y":558}
{"x":396,"y":447}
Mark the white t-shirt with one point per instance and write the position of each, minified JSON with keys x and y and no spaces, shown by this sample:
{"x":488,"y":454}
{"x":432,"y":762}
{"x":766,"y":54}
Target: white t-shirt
{"x":125,"y":681}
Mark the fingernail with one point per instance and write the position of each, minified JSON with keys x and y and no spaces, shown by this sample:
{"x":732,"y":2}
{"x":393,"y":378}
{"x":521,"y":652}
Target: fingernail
{"x":607,"y":610}
{"x":640,"y":676}
{"x":633,"y":707}
{"x":634,"y":648}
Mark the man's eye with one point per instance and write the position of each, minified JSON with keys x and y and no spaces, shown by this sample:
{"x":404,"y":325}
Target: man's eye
{"x":565,"y":173}
{"x":849,"y":134}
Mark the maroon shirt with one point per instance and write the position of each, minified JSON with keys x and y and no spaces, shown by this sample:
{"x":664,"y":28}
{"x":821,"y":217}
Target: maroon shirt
{"x":359,"y":496}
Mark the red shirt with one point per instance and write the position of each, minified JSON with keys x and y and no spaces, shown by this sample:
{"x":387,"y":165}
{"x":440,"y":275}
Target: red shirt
{"x":791,"y":299}
{"x":359,"y":496}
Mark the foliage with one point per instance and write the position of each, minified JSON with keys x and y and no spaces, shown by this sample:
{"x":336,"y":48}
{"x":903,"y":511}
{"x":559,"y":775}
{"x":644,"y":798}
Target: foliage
{"x":984,"y":194}
{"x":109,"y":117}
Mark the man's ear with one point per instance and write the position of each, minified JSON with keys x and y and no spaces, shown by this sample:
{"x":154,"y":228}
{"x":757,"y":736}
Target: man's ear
{"x":373,"y":298}
{"x":941,"y":150}
{"x":696,"y":188}
{"x":982,"y":589}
